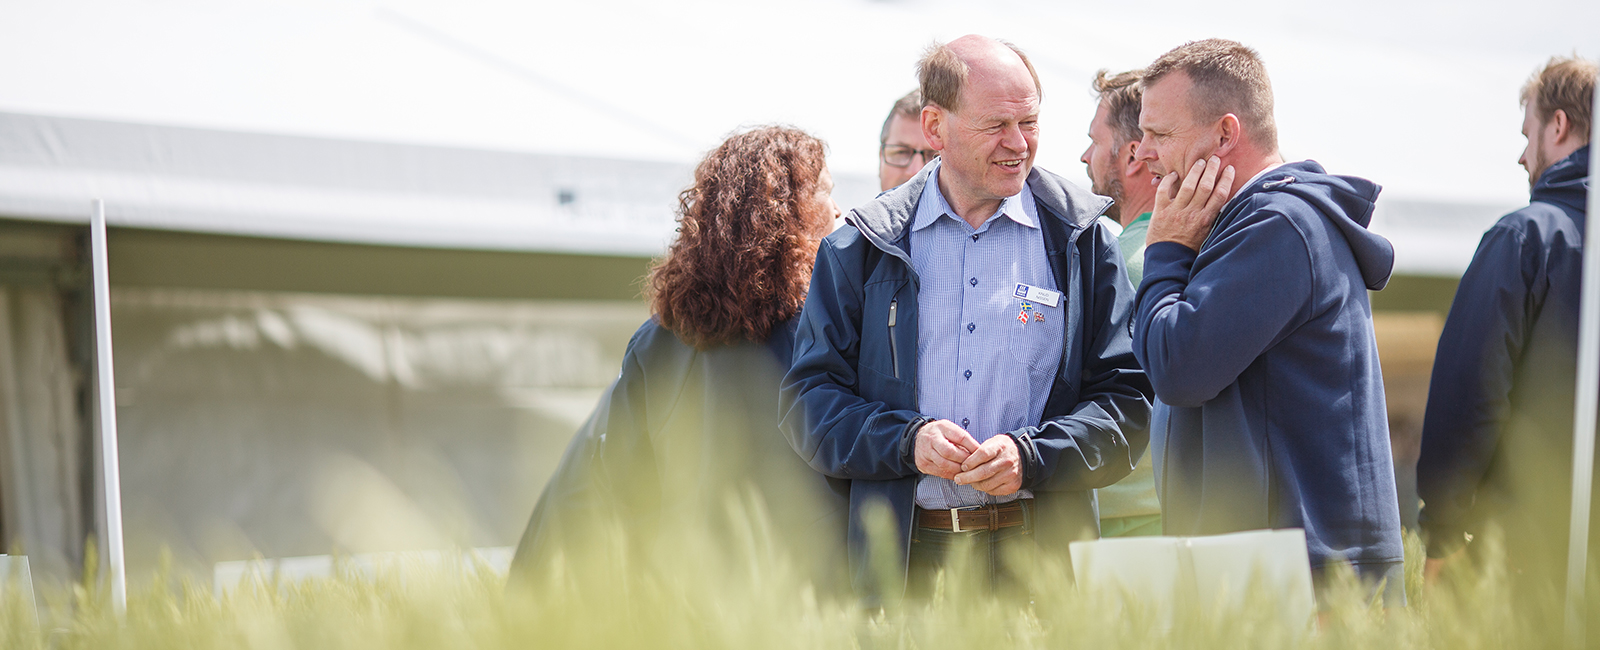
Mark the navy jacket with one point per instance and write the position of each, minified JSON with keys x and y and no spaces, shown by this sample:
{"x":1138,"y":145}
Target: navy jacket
{"x":1271,"y":410}
{"x":1502,"y":388}
{"x":679,"y":434}
{"x":851,"y":395}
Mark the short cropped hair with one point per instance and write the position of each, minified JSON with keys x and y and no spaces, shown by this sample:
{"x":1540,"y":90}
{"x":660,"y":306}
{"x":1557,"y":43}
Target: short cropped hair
{"x":909,"y":107}
{"x":942,"y":74}
{"x":1121,"y":93}
{"x":1228,"y":78}
{"x":1566,"y":83}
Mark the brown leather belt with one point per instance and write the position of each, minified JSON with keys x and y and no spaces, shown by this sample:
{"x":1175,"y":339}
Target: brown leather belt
{"x":961,"y":520}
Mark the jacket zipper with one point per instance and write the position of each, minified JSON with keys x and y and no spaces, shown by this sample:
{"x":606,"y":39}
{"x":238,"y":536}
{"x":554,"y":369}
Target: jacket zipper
{"x":894,"y":349}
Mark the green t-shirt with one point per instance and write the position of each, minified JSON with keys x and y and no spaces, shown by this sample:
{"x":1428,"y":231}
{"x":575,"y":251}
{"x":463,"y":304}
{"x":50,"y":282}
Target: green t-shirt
{"x":1134,"y":495}
{"x":1131,"y":241}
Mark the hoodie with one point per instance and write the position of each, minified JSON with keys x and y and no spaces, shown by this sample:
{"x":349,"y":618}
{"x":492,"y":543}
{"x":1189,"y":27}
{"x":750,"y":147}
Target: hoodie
{"x":1498,"y":429}
{"x":1261,"y":351}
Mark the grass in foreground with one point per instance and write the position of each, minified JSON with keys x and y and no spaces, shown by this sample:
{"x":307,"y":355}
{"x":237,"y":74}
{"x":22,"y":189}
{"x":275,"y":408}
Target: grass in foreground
{"x":705,"y":595}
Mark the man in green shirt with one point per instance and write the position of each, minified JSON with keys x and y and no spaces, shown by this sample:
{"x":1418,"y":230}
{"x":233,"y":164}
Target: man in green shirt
{"x":1128,"y":508}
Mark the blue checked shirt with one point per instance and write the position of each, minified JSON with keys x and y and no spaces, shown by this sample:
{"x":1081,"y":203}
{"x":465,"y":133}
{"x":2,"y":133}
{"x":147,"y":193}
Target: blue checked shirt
{"x":978,"y":364}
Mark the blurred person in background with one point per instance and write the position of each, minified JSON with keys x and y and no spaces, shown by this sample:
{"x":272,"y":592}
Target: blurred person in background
{"x":1255,"y":326}
{"x":1128,"y":508}
{"x":963,"y":356}
{"x":1497,"y":436}
{"x":902,"y":151}
{"x":683,"y":459}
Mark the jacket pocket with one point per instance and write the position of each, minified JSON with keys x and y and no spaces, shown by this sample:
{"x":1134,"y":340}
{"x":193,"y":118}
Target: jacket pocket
{"x":894,"y":347}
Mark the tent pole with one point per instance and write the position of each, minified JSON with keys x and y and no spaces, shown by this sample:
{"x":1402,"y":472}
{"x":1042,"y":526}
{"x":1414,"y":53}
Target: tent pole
{"x":109,"y":460}
{"x":1584,"y":416}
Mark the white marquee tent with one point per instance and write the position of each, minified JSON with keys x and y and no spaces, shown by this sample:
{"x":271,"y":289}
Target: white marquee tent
{"x":323,"y":148}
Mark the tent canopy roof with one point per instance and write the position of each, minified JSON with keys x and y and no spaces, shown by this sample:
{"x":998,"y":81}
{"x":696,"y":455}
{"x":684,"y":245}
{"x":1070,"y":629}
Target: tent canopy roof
{"x":1423,"y":101}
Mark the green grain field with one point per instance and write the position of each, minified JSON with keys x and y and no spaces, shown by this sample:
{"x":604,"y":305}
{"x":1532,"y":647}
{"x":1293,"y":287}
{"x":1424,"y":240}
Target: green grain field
{"x":744,"y":594}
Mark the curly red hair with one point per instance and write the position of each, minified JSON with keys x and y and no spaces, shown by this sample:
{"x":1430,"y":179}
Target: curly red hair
{"x":747,"y":237}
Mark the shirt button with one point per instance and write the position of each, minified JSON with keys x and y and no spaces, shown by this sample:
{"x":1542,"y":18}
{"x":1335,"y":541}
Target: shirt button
{"x":973,"y":282}
{"x":969,"y":374}
{"x":974,"y":236}
{"x":971,"y":326}
{"x":964,"y":423}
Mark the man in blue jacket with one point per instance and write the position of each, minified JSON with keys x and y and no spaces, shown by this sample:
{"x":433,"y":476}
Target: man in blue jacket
{"x":963,"y":357}
{"x":1254,"y":326}
{"x":1497,"y":437}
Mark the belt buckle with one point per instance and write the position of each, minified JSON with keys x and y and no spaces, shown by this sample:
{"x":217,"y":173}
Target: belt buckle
{"x":955,"y":518}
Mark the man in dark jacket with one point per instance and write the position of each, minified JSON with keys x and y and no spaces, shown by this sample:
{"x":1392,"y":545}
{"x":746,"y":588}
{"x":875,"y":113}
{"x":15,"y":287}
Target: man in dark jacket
{"x":1497,"y":437}
{"x":1255,"y":327}
{"x":963,"y":355}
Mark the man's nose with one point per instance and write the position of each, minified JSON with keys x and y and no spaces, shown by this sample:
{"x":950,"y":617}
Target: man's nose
{"x":1014,"y":140}
{"x":1085,"y":157}
{"x":1146,"y":150}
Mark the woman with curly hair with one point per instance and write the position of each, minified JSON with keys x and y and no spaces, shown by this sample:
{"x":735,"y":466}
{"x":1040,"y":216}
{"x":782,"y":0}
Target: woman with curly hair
{"x":684,"y":449}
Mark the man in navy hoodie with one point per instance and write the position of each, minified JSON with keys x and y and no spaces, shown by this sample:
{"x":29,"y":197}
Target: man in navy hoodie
{"x":1497,"y":437}
{"x":1254,"y":326}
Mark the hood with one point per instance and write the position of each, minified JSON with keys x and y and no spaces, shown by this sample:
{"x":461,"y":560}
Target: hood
{"x":1347,"y":201}
{"x":1566,"y":183}
{"x":884,"y":220}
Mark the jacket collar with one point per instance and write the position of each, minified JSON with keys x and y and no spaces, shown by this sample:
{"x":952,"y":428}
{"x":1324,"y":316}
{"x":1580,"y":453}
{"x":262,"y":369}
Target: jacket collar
{"x":1019,"y":207}
{"x":886,"y":219}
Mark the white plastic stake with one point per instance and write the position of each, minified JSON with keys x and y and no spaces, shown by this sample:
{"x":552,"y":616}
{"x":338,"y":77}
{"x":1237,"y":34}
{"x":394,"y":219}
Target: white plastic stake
{"x":109,"y":460}
{"x":1584,"y":413}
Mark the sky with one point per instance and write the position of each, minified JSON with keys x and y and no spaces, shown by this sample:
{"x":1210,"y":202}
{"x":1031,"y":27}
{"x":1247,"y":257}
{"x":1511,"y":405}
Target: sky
{"x":1418,"y":96}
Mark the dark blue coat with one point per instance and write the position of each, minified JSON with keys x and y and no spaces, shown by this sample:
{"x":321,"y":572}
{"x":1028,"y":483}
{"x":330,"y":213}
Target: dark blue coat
{"x":1271,"y":409}
{"x":851,"y":395}
{"x":676,"y":436}
{"x":1497,"y":437}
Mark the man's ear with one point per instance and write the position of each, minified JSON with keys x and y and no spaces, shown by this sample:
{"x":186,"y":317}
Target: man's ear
{"x":1561,"y":125}
{"x":1229,"y":135}
{"x":933,"y":121}
{"x":1129,"y":159}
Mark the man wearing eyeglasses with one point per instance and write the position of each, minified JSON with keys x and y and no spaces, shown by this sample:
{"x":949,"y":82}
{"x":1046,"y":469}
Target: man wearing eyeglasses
{"x":902,"y":150}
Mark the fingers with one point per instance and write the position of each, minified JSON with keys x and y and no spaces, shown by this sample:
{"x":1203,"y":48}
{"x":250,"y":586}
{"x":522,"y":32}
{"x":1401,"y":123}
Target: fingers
{"x":1001,"y":484}
{"x":984,"y":454}
{"x":1164,"y":192}
{"x":1208,"y":176}
{"x":934,"y":465}
{"x":1222,"y":192}
{"x":942,"y":447}
{"x":996,"y":458}
{"x":957,"y":436}
{"x":998,"y":477}
{"x":978,"y":473}
{"x":1187,"y":190}
{"x":950,"y":452}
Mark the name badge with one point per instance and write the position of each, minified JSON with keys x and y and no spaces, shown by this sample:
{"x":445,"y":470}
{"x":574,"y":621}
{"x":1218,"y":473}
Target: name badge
{"x":1038,"y":294}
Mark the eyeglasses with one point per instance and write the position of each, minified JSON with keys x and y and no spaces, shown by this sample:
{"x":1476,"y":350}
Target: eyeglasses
{"x":899,"y":155}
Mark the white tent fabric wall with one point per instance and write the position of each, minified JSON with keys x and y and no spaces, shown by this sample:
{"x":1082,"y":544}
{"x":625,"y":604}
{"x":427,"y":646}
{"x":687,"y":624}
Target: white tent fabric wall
{"x":297,"y":424}
{"x":43,"y":452}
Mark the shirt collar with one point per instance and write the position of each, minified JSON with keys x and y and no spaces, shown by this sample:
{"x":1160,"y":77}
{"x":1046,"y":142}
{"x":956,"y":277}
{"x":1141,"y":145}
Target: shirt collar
{"x":1019,"y":207}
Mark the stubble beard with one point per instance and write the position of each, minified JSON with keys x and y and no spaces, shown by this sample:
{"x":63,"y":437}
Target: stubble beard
{"x":1112,"y":187}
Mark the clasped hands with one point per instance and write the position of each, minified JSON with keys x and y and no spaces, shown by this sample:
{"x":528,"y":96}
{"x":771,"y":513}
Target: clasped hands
{"x":946,"y":450}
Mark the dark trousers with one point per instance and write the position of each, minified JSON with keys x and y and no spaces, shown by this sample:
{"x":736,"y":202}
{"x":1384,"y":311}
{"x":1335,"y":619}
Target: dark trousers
{"x":978,"y":562}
